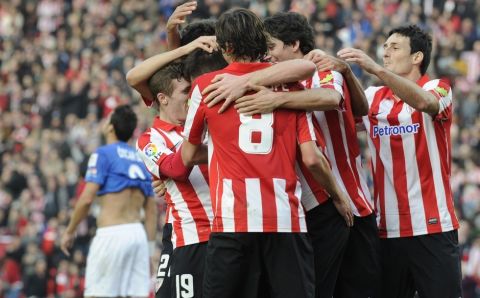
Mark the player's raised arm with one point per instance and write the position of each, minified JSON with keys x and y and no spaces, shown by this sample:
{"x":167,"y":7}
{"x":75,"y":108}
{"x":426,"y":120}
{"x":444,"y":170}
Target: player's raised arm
{"x":326,"y":62}
{"x":175,"y":20}
{"x":138,"y":76}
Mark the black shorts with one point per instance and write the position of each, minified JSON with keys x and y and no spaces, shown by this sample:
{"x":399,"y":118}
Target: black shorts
{"x":187,"y":270}
{"x":163,"y":272}
{"x":428,"y":264}
{"x":260,"y":265}
{"x":329,"y":234}
{"x":359,"y":275}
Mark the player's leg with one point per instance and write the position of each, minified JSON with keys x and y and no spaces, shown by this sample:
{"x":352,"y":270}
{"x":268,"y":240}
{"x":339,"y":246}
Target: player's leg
{"x":163,"y":275}
{"x":435,"y":266}
{"x":329,"y":235}
{"x":396,"y":278}
{"x":288,"y":259}
{"x":187,"y":270}
{"x":359,"y":275}
{"x":233,"y":267}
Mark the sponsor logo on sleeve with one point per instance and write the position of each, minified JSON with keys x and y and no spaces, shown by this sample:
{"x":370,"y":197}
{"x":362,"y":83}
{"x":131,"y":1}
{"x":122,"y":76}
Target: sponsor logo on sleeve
{"x":92,"y":161}
{"x":152,"y":151}
{"x":442,"y":91}
{"x":327,"y":79}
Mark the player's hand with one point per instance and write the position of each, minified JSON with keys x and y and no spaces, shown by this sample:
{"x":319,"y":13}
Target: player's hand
{"x":359,"y":57}
{"x":159,"y":187}
{"x":67,"y":242}
{"x":226,"y":87}
{"x":178,"y":16}
{"x":261,"y":102}
{"x":343,"y":207}
{"x":206,"y":43}
{"x":326,"y":62}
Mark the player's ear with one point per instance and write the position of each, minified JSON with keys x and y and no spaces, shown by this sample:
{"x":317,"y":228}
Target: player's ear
{"x":417,"y":57}
{"x":162,"y":98}
{"x":296,"y":46}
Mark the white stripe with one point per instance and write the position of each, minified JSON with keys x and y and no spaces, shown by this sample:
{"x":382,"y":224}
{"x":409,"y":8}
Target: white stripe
{"x":309,"y":201}
{"x":391,"y":201}
{"x":301,"y":212}
{"x":414,"y":190}
{"x":311,"y":129}
{"x":322,"y":121}
{"x":284,"y":219}
{"x":254,"y":204}
{"x":363,"y":182}
{"x":195,"y":101}
{"x":445,"y":218}
{"x":338,"y":82}
{"x":189,"y":228}
{"x":315,"y":81}
{"x":200,"y":186}
{"x":228,"y":214}
{"x":445,"y":101}
{"x":373,"y":153}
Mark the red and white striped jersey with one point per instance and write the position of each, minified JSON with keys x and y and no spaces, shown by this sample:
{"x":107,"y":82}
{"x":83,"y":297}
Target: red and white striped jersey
{"x":189,"y":205}
{"x":411,"y":162}
{"x":337,"y":128}
{"x":257,"y":189}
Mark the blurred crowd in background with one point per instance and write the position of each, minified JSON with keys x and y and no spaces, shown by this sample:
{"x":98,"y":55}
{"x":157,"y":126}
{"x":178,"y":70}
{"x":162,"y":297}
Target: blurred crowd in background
{"x":62,"y":70}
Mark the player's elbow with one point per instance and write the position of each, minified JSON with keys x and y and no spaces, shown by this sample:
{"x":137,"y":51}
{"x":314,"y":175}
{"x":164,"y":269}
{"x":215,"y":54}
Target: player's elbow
{"x":132,"y":78}
{"x":312,"y":161}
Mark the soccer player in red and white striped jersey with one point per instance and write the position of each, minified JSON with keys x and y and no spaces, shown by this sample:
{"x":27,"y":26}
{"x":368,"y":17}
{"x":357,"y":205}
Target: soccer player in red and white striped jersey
{"x":408,"y":125}
{"x":329,"y":97}
{"x":259,"y":226}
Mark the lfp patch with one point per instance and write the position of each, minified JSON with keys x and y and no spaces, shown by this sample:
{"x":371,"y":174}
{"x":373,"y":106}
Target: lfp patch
{"x":150,"y":150}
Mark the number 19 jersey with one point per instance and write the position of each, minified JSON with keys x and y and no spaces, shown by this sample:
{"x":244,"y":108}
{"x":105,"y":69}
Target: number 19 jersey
{"x":255,"y":185}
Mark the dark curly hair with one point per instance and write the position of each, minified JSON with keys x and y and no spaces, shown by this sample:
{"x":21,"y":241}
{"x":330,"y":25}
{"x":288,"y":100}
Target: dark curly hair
{"x":290,"y":27}
{"x":200,"y":62}
{"x":420,"y":41}
{"x":161,"y":81}
{"x":242,"y":33}
{"x":196,"y":29}
{"x":124,"y":121}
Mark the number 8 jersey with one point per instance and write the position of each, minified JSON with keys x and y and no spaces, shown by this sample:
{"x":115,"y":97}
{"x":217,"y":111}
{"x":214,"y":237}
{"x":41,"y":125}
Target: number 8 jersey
{"x":253,"y":182}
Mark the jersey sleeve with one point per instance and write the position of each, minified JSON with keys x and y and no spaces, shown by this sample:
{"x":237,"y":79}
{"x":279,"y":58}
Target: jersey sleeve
{"x":97,"y":168}
{"x":195,"y":125}
{"x":153,"y":149}
{"x":305,"y":130}
{"x":333,"y":80}
{"x":443,"y":92}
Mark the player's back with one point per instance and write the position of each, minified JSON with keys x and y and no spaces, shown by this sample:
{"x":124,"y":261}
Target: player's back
{"x":257,"y":188}
{"x":124,"y":183}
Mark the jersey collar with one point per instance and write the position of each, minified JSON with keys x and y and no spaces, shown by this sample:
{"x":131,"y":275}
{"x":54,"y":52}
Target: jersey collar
{"x":423,"y":80}
{"x":159,"y":123}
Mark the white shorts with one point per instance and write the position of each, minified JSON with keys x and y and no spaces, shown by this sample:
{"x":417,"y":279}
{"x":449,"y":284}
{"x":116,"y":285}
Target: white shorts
{"x":118,"y":262}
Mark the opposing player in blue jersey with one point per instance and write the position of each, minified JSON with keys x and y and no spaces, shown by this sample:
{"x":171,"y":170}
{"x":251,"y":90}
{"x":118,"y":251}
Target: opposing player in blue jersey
{"x":118,"y":260}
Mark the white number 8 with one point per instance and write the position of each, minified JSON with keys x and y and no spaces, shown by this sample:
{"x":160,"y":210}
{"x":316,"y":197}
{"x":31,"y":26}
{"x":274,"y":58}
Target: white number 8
{"x":263,"y":126}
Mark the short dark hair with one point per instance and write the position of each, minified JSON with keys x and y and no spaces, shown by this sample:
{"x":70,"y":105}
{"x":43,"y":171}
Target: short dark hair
{"x":161,"y":81}
{"x":420,"y":41}
{"x":124,"y":121}
{"x":196,"y":29}
{"x":290,"y":27}
{"x":243,"y":33}
{"x":199,"y":62}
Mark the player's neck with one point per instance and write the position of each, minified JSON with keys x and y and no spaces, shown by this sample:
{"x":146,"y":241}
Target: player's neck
{"x":111,"y":138}
{"x":413,"y":75}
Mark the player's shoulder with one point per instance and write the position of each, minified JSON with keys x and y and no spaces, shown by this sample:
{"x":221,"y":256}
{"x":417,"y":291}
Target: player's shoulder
{"x":205,"y":79}
{"x":442,"y":86}
{"x":372,"y":91}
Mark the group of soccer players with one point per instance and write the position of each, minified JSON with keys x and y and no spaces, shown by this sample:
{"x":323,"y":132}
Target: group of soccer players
{"x":265,"y":191}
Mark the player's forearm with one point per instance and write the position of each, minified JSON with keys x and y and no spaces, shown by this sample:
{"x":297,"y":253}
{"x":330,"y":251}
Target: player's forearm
{"x":143,"y":71}
{"x":409,"y":92}
{"x":173,"y":39}
{"x":322,"y":173}
{"x":79,"y":213}
{"x":284,"y":72}
{"x":150,"y":218}
{"x":319,"y":99}
{"x":357,"y":95}
{"x":188,"y":153}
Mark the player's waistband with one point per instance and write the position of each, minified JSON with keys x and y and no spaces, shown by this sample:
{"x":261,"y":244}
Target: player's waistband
{"x":122,"y":228}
